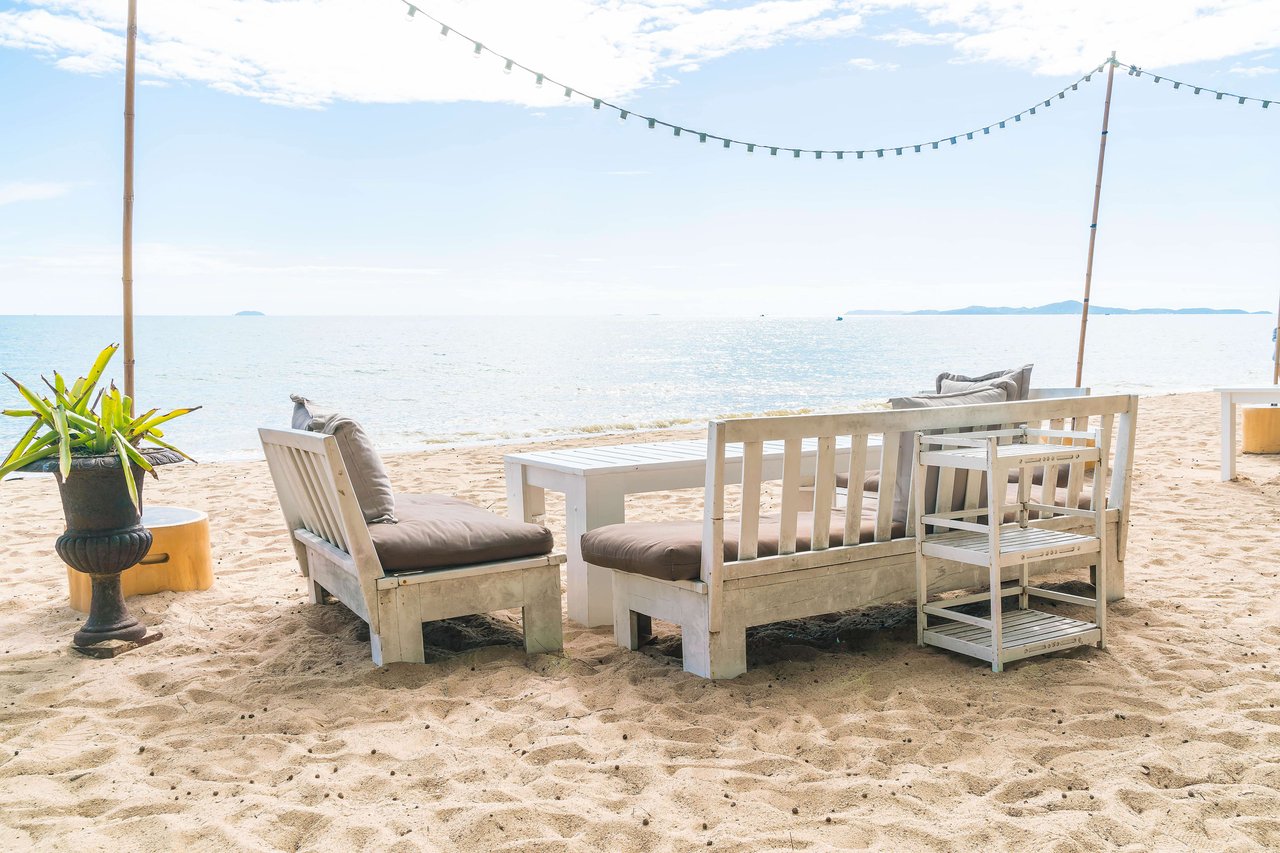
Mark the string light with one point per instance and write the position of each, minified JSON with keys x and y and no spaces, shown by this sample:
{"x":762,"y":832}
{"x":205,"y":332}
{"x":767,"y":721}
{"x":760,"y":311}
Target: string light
{"x":510,"y":64}
{"x":1137,"y":71}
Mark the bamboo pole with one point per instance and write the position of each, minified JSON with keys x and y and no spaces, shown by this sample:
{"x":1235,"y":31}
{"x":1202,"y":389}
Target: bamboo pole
{"x":130,"y":60}
{"x":1275,"y":367}
{"x":1093,"y":224}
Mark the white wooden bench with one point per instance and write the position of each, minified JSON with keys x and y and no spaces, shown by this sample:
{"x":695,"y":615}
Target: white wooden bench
{"x":337,"y":556}
{"x":715,"y":608}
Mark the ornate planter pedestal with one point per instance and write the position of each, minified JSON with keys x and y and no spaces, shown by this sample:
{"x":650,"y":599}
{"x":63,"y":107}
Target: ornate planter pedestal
{"x":104,"y":536}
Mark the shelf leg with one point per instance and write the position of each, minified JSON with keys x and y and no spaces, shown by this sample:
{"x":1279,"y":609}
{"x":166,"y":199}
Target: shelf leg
{"x":922,"y":567}
{"x":995,"y":490}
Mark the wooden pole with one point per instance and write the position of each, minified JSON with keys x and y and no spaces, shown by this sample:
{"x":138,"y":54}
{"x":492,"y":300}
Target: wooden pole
{"x":1093,"y":224}
{"x":130,"y":57}
{"x":1275,"y":368}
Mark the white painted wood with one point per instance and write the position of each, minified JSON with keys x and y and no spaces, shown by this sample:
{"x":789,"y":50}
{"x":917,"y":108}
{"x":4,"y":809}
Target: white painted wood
{"x":525,"y":501}
{"x":824,"y":492}
{"x":749,"y":524}
{"x":790,"y":497}
{"x":712,"y":569}
{"x":1232,"y":397}
{"x":857,"y":472}
{"x":590,"y":502}
{"x":816,"y":581}
{"x":336,"y":552}
{"x":999,"y":545}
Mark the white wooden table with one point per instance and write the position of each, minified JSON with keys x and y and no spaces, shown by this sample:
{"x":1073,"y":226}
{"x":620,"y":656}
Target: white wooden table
{"x":1232,"y":397}
{"x":596,"y":480}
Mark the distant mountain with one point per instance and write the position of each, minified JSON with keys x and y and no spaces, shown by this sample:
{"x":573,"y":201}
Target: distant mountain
{"x":1070,"y":306}
{"x":250,"y":314}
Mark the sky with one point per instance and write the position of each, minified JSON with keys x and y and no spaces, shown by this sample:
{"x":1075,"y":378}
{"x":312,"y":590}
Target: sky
{"x":340,"y":157}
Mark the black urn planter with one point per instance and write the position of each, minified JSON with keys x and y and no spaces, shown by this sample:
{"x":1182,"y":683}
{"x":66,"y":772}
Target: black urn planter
{"x":104,"y":537}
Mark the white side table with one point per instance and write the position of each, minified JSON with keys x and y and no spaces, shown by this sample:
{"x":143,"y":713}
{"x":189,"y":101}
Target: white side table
{"x":1232,"y":397}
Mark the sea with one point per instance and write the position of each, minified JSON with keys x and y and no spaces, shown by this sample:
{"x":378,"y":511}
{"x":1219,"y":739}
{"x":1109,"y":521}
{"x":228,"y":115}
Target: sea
{"x":424,"y":382}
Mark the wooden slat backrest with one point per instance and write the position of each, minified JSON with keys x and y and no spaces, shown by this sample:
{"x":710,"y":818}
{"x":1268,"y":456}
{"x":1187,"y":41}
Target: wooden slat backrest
{"x":1113,"y":414}
{"x":316,"y":495}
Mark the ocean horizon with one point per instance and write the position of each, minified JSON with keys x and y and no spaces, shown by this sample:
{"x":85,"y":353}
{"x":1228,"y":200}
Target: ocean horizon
{"x":431,"y":381}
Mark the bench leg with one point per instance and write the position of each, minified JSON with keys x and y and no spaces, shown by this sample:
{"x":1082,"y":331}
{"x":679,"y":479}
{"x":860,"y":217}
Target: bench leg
{"x":543,"y":628}
{"x":722,"y":654}
{"x":631,"y":629}
{"x":316,"y":594}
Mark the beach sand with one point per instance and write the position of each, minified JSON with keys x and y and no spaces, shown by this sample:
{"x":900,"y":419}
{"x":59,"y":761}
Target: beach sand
{"x":260,"y":723}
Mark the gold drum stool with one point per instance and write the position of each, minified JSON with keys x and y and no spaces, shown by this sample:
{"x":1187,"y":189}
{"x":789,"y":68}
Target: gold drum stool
{"x":179,"y":559}
{"x":1262,"y":429}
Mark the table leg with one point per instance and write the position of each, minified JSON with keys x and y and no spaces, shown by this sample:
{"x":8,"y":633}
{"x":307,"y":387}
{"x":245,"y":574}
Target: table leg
{"x":591,"y":502}
{"x":524,"y":502}
{"x":1228,"y":437}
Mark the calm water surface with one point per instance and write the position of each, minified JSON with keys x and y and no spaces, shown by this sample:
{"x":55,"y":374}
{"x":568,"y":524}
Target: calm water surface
{"x":418,"y":381}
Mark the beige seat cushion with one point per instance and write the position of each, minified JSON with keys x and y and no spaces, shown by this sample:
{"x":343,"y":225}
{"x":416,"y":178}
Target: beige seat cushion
{"x":438,"y":531}
{"x":672,"y":550}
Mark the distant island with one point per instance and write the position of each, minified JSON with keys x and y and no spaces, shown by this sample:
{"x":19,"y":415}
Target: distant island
{"x":1070,"y":306}
{"x":250,"y":314}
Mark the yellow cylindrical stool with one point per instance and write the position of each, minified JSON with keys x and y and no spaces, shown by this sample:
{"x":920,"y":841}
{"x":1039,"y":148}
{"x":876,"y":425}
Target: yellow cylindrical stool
{"x":1262,"y":429}
{"x":179,"y":559}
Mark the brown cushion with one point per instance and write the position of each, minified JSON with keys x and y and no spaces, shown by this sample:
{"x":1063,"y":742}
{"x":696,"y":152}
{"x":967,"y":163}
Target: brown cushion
{"x":1019,"y":376}
{"x":672,"y":550}
{"x":438,"y":531}
{"x":369,"y":478}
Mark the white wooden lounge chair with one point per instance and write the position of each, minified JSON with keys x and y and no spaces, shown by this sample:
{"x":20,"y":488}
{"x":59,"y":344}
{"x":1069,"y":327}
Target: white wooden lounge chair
{"x":337,"y":555}
{"x":717,"y":577}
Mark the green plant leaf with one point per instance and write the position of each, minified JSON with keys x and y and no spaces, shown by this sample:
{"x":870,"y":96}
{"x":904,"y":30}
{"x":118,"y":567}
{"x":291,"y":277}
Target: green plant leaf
{"x":40,"y":405}
{"x":148,"y":425}
{"x":134,"y":454}
{"x":23,"y":442}
{"x":100,"y":365}
{"x":34,"y":454}
{"x":122,"y":449}
{"x":64,"y":442}
{"x":20,"y":413}
{"x":167,"y":446}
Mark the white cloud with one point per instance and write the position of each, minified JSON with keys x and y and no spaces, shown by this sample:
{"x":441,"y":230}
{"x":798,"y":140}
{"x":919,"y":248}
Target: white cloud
{"x":1254,"y":70}
{"x":18,"y":191}
{"x":912,"y":38}
{"x":863,"y":63}
{"x":1064,"y":37}
{"x":310,"y":53}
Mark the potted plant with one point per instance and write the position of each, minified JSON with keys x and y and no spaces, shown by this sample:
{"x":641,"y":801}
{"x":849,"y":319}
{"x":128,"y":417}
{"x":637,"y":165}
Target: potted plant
{"x":91,"y":441}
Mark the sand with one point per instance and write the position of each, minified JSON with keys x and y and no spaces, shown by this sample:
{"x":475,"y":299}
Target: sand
{"x":260,"y":723}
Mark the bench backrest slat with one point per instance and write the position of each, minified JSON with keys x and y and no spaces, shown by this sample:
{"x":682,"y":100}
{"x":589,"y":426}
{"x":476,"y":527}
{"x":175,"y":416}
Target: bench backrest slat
{"x":316,"y":495}
{"x":1112,"y":415}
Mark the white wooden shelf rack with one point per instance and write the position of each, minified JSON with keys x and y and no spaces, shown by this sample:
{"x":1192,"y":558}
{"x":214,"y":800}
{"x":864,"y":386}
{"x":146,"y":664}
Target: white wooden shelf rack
{"x":984,"y":536}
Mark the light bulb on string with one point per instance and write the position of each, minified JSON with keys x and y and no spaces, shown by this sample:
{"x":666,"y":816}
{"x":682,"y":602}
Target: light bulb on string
{"x":537,"y":80}
{"x":506,"y":69}
{"x":568,"y":92}
{"x":622,"y":115}
{"x":413,"y":10}
{"x":475,"y":54}
{"x":444,"y":32}
{"x":751,"y":149}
